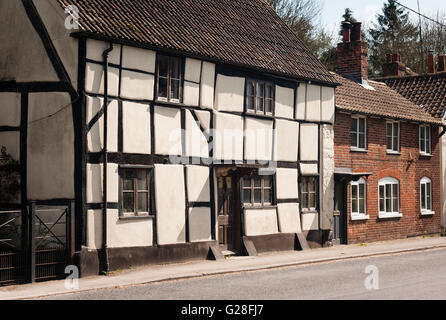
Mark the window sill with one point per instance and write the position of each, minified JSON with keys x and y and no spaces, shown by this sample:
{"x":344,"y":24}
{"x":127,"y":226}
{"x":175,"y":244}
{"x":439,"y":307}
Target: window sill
{"x":352,"y":149}
{"x":427,"y":213}
{"x":390,"y":215}
{"x":426,"y":155}
{"x":360,"y":217}
{"x":393,"y":153}
{"x":249,"y":207}
{"x":130,"y":218}
{"x":310,"y":211}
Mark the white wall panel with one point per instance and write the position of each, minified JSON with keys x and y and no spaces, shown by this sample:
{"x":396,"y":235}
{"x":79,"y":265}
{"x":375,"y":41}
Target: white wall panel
{"x":136,"y":128}
{"x":309,"y":168}
{"x":192,"y":70}
{"x":168,"y":131}
{"x":287,"y":183}
{"x":230,"y":93}
{"x":259,"y":222}
{"x":196,"y":143}
{"x":94,"y":183}
{"x":94,"y":79}
{"x":191,"y":94}
{"x":10,"y":109}
{"x":287,"y":140}
{"x":137,"y":86}
{"x":301,"y":101}
{"x":228,"y":139}
{"x":284,"y":102}
{"x":128,"y":233}
{"x":95,"y":137}
{"x":170,"y":204}
{"x":309,"y":136}
{"x":327,"y":179}
{"x":198,"y":186}
{"x":313,"y":103}
{"x":328,"y":104}
{"x":205,"y":119}
{"x":200,"y":224}
{"x":310,"y":221}
{"x":207,"y":85}
{"x":139,"y":59}
{"x":289,"y":218}
{"x":259,"y":138}
{"x":95,"y":50}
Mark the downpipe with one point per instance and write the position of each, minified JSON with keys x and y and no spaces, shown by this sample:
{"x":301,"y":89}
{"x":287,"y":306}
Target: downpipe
{"x":105,"y":262}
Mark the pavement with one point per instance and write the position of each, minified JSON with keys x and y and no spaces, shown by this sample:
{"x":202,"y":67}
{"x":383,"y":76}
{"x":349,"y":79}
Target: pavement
{"x":197,"y":269}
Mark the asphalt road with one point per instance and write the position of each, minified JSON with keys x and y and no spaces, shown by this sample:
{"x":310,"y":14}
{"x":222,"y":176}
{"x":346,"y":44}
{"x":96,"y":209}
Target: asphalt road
{"x":420,"y":275}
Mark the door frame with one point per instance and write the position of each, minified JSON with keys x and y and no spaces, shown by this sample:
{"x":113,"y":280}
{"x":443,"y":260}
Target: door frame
{"x":340,"y":215}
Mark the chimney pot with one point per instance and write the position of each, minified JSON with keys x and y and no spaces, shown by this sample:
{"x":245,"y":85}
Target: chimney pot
{"x":396,"y":57}
{"x":431,"y":63}
{"x":346,"y":31}
{"x":441,"y":63}
{"x":356,"y":34}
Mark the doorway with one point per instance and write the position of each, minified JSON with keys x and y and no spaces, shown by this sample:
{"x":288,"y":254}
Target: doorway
{"x":340,"y":213}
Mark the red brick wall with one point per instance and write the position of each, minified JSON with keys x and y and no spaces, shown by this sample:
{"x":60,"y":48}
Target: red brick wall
{"x":409,"y":174}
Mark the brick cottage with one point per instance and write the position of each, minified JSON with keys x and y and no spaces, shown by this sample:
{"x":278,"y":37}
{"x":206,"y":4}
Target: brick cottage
{"x":387,"y":156}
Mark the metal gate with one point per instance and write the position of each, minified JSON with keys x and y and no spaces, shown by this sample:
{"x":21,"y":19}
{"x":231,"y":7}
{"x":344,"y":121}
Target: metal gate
{"x":37,"y":245}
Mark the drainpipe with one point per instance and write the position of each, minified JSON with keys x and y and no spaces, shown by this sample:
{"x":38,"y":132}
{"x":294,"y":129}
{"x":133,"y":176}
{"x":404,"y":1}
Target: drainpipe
{"x":106,"y":265}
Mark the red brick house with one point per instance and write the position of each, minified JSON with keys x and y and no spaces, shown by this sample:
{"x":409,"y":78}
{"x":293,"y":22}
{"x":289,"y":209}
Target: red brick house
{"x":387,"y":156}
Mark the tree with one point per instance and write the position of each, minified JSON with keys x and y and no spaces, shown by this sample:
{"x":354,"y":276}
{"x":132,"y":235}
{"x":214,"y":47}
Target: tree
{"x":302,"y":17}
{"x":434,"y":36}
{"x":347,"y":17}
{"x":394,"y":33}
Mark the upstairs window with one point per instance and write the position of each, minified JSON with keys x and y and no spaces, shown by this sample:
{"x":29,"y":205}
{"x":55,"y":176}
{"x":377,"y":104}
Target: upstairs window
{"x":389,"y":198}
{"x":358,"y":133}
{"x":257,"y":190}
{"x":425,"y":140}
{"x":260,"y":97}
{"x":393,"y":137}
{"x":426,"y":196}
{"x":309,"y":187}
{"x":169,"y":79}
{"x":135,"y":192}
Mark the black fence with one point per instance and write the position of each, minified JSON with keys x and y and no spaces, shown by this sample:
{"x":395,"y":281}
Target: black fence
{"x":36,"y":244}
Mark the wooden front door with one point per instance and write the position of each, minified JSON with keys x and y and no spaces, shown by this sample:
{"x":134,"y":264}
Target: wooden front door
{"x":228,"y":210}
{"x":340,"y":214}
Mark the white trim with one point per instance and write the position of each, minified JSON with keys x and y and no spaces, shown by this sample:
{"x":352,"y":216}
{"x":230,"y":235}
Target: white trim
{"x":427,"y":213}
{"x":425,"y":181}
{"x":384,"y":214}
{"x":357,"y":183}
{"x":359,"y":217}
{"x":427,"y":139}
{"x":357,"y":148}
{"x":391,"y":151}
{"x":389,"y":215}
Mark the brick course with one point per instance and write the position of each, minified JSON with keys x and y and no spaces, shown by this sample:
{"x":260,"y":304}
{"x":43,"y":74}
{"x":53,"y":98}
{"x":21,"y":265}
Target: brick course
{"x":408,"y":167}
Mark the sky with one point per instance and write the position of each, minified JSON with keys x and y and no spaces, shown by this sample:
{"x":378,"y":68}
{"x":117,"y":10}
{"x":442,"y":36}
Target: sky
{"x":365,"y":10}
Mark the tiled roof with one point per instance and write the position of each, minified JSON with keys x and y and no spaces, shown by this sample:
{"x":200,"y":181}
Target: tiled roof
{"x":241,"y":32}
{"x":380,"y":101}
{"x":426,"y":90}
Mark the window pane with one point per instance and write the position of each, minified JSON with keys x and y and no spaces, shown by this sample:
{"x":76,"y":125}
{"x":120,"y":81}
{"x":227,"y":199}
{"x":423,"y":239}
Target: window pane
{"x":142,"y":180}
{"x":388,"y":198}
{"x":127,"y":184}
{"x":128,"y":202}
{"x":395,"y":144}
{"x":422,"y":133}
{"x":362,"y":141}
{"x":251,"y":102}
{"x":362,"y":206}
{"x":389,"y":143}
{"x":304,"y":185}
{"x":143,"y":203}
{"x":257,"y":196}
{"x":354,"y":140}
{"x":423,"y":145}
{"x":362,"y":125}
{"x":175,"y":68}
{"x":260,"y":104}
{"x":354,"y":125}
{"x":362,"y":190}
{"x":269,"y":92}
{"x":163,"y":66}
{"x":389,"y":129}
{"x":251,"y":89}
{"x":268,"y":106}
{"x":246,"y":183}
{"x":260,"y":93}
{"x":305,"y":201}
{"x":268,"y":196}
{"x":381,"y":199}
{"x":311,"y":184}
{"x":395,"y":197}
{"x":354,"y":192}
{"x":312,"y":200}
{"x":396,"y":129}
{"x":354,"y":205}
{"x":175,"y":89}
{"x":246,"y":195}
{"x":162,"y":88}
{"x":257,"y":182}
{"x":267,"y":182}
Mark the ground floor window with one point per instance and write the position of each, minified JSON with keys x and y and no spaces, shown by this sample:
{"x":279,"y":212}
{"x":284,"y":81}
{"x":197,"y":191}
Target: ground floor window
{"x":358,"y":197}
{"x":135,"y":192}
{"x":426,"y":196}
{"x":389,"y":199}
{"x":309,"y":193}
{"x":257,"y":190}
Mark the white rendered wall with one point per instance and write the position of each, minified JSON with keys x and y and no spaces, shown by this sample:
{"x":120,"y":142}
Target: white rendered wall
{"x":258,"y":222}
{"x":286,"y":140}
{"x":327,"y":179}
{"x":289,"y":217}
{"x":50,"y":154}
{"x":196,"y":143}
{"x":136,"y":128}
{"x":136,"y":85}
{"x":228,"y":140}
{"x":284,"y":103}
{"x":94,"y":183}
{"x":138,"y":59}
{"x":168,"y":131}
{"x":309,"y":136}
{"x":287,"y":183}
{"x":258,"y":139}
{"x":200,"y":224}
{"x":191,"y":95}
{"x":94,"y":79}
{"x":192,"y":70}
{"x":198,"y":186}
{"x":95,"y":137}
{"x":328,"y":104}
{"x":207,"y":85}
{"x":170,"y":204}
{"x":301,"y":101}
{"x":313,"y":112}
{"x":310,"y":221}
{"x":229,"y":93}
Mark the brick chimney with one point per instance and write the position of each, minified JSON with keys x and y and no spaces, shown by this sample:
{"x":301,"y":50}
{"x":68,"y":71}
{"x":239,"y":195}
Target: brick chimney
{"x":353,"y":53}
{"x":431,"y":63}
{"x":441,"y":63}
{"x":393,"y":67}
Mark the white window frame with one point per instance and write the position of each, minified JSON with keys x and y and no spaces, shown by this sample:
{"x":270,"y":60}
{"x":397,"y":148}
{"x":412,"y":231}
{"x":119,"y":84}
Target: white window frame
{"x":427,"y":140}
{"x":392,"y":151}
{"x":359,"y":215}
{"x":427,"y":183}
{"x":393,"y":213}
{"x":357,"y":148}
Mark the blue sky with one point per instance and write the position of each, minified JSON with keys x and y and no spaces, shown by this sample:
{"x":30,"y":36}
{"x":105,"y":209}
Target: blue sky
{"x":366,"y":10}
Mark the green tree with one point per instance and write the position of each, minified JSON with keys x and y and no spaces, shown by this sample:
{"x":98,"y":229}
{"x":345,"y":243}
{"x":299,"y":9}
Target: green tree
{"x":393,"y":33}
